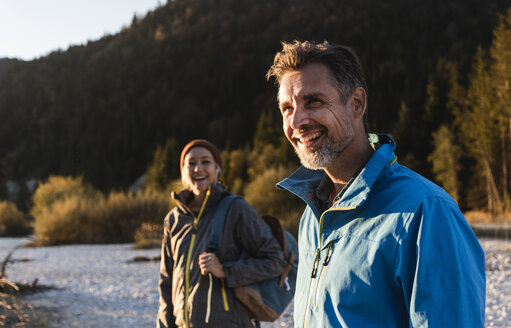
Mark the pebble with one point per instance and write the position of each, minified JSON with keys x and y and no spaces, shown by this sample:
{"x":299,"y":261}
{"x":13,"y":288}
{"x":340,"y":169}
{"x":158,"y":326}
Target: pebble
{"x":101,"y":286}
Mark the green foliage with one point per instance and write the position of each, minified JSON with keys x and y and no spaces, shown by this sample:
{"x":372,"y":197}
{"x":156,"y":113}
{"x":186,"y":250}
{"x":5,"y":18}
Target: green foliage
{"x":259,"y":161}
{"x":235,"y":169}
{"x":484,"y":118}
{"x":406,"y":137}
{"x":195,"y":68}
{"x":13,"y":222}
{"x":164,"y":168}
{"x":268,"y":130}
{"x":446,"y":160}
{"x":500,"y":54}
{"x":402,"y":129}
{"x":267,"y":199}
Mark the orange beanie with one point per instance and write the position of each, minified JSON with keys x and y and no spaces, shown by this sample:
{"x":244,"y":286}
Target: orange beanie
{"x":201,"y":143}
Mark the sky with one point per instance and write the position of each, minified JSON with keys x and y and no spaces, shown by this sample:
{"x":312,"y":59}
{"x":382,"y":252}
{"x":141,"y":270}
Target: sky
{"x":33,"y":28}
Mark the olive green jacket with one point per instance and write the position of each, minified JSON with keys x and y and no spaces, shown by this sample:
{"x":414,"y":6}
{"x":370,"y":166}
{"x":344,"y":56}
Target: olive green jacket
{"x":243,"y":230}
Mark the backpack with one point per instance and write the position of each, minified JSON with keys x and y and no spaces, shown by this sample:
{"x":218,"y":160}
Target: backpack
{"x":267,"y":299}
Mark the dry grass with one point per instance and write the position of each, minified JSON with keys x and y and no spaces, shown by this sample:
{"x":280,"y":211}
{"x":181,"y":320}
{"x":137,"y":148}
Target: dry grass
{"x":484,"y":217}
{"x":111,"y":219}
{"x":13,"y":222}
{"x":65,"y":222}
{"x":15,"y":313}
{"x":149,"y":235}
{"x":262,"y":194}
{"x":118,"y":216}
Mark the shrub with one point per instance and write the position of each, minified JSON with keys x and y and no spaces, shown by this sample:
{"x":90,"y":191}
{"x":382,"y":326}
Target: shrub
{"x":65,"y":222}
{"x":66,"y":210}
{"x":267,"y":199}
{"x":149,"y":235}
{"x":235,"y":167}
{"x":59,"y":188}
{"x":113,"y":219}
{"x":13,"y":222}
{"x":116,"y":218}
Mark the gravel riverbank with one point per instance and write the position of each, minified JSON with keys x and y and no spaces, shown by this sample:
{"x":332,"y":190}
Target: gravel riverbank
{"x":99,"y":285}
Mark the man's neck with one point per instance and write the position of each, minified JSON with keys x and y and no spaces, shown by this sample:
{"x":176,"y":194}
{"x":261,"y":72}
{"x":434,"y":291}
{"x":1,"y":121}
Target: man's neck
{"x":348,"y":164}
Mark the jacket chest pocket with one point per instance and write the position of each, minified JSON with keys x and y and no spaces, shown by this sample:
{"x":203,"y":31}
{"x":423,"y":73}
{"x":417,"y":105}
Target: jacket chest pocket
{"x":351,"y":270}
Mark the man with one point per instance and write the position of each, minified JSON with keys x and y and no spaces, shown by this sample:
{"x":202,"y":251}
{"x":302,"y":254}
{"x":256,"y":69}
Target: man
{"x":380,"y":246}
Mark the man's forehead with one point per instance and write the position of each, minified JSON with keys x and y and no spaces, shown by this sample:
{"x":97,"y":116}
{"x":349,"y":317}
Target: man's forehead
{"x":303,"y":83}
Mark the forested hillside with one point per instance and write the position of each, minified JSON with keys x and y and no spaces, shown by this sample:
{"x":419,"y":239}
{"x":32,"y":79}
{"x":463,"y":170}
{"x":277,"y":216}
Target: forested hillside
{"x":195,"y":68}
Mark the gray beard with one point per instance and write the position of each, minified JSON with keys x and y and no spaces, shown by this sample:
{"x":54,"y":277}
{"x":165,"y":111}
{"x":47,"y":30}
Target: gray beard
{"x":325,"y":155}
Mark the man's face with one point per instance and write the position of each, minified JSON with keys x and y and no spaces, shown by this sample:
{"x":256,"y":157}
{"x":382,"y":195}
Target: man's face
{"x":315,"y":120}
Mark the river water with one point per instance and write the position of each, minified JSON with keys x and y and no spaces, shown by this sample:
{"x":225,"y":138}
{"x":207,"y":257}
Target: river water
{"x":99,"y":285}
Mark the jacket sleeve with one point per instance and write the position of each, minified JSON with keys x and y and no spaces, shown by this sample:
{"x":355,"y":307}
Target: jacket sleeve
{"x":166,"y":317}
{"x":265,"y":260}
{"x":440,"y":266}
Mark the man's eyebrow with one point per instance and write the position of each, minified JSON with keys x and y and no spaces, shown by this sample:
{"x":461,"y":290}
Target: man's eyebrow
{"x":313,"y":95}
{"x":308,"y":96}
{"x":285,"y":101}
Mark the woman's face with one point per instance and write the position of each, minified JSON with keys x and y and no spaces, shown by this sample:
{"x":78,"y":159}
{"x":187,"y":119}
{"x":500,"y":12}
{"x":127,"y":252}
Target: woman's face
{"x":199,"y":170}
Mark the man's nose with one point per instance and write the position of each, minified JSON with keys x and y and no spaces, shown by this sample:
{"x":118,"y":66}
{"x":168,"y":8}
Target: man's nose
{"x":299,"y":118}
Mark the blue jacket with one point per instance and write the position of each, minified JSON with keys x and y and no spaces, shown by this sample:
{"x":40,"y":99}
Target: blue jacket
{"x":393,"y":251}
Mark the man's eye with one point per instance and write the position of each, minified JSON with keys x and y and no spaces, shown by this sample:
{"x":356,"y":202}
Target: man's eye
{"x":315,"y":102}
{"x":285,"y":109}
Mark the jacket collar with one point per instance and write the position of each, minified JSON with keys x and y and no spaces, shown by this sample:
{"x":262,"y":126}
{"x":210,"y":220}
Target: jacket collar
{"x":304,"y":182}
{"x":184,"y":197}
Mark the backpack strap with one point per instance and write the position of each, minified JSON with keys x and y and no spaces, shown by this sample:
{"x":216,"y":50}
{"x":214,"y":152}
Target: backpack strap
{"x":218,"y":222}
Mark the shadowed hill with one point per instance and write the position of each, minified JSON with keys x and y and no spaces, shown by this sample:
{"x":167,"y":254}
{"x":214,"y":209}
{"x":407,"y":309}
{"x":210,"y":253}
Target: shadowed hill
{"x":195,"y":68}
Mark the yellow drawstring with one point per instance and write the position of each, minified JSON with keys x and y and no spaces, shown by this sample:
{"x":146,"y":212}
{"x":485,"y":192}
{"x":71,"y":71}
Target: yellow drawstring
{"x":189,"y":257}
{"x":210,"y":289}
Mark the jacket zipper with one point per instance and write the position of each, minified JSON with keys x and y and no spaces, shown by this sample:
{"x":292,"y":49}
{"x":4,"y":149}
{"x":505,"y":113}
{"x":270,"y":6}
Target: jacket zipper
{"x":317,"y":259}
{"x":313,"y":278}
{"x":325,"y":263}
{"x":189,"y":257}
{"x":224,"y":295}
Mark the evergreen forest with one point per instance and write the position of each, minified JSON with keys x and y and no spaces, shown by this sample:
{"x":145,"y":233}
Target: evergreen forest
{"x":111,"y":110}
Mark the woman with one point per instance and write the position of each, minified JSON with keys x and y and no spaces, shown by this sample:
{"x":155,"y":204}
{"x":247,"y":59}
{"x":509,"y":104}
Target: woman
{"x":195,"y":285}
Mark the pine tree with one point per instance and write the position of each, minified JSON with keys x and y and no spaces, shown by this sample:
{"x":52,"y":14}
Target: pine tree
{"x":481,"y":128}
{"x":486,"y":126}
{"x":445,"y":160}
{"x":164,"y":167}
{"x":500,"y":55}
{"x":268,"y":130}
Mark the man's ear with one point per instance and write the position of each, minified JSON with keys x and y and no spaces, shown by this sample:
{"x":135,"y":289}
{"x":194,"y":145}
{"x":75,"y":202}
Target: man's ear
{"x":358,"y":101}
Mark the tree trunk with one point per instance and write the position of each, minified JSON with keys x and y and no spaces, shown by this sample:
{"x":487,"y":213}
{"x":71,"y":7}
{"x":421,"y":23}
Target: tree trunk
{"x":503,"y":148}
{"x":494,"y":199}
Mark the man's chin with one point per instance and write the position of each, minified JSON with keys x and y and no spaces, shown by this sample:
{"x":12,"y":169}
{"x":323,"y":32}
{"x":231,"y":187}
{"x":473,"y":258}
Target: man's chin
{"x":309,"y":161}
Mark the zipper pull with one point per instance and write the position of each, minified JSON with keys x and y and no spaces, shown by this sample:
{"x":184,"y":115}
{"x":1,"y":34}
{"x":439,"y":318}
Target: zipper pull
{"x":328,"y":253}
{"x":316,"y":263}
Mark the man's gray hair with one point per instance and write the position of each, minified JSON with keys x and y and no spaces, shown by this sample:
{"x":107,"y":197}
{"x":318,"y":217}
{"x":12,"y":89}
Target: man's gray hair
{"x":343,"y":63}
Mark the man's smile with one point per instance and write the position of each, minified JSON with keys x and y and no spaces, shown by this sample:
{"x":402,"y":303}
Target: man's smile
{"x":307,"y":138}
